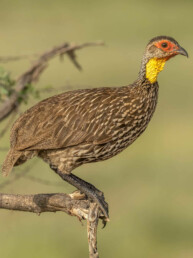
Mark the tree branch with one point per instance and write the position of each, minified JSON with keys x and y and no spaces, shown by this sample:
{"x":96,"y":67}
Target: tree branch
{"x":39,"y":203}
{"x":33,"y":74}
{"x":74,"y":204}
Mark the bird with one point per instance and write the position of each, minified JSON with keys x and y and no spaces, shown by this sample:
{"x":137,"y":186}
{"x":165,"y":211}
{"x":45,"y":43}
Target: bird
{"x":90,"y":125}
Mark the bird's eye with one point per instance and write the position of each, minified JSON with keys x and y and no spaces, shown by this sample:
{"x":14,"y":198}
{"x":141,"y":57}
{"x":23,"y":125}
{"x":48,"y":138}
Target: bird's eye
{"x":164,"y":44}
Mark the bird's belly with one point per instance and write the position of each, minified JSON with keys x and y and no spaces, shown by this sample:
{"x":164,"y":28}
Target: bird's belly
{"x":123,"y":138}
{"x":114,"y":147}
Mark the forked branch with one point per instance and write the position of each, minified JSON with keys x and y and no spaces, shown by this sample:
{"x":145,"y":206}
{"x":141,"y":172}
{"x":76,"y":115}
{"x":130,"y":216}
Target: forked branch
{"x":74,"y":204}
{"x":32,"y":75}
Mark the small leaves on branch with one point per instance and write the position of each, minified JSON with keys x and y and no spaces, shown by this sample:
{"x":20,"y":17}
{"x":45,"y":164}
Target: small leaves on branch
{"x":6,"y":84}
{"x":28,"y":90}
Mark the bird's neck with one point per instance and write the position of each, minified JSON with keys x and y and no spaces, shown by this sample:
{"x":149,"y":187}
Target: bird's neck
{"x":150,"y":68}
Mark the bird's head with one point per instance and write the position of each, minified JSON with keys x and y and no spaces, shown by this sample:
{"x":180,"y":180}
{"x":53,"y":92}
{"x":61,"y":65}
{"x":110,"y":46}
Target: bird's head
{"x":158,"y":51}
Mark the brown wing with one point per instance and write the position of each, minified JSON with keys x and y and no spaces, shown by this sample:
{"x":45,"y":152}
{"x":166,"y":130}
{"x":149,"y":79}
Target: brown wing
{"x":68,"y":119}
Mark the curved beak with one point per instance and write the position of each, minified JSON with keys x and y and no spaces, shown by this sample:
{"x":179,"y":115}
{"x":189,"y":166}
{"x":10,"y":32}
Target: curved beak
{"x":182,"y":51}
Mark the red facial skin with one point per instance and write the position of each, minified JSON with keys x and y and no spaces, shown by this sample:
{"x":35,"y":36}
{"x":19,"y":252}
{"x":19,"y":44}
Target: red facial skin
{"x":171,"y":47}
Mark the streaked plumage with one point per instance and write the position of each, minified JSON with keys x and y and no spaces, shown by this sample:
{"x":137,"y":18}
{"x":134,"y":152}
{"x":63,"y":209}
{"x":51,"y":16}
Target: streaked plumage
{"x":90,"y":125}
{"x":85,"y":125}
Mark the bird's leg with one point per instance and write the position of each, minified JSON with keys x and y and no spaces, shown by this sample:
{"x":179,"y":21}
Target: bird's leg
{"x":88,"y":189}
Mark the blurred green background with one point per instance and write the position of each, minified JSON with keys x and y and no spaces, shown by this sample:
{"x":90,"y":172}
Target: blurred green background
{"x":149,"y":185}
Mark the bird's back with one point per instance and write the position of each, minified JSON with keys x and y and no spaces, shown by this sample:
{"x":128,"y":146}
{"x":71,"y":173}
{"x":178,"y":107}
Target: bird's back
{"x":69,"y":119}
{"x":96,"y":123}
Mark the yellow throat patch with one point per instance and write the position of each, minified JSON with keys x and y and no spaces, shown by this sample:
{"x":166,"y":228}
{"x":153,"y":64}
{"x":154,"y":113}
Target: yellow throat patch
{"x":154,"y":67}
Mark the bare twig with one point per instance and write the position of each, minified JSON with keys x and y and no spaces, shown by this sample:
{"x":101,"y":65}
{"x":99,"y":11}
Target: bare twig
{"x":6,"y":59}
{"x":92,"y":224}
{"x":32,"y":75}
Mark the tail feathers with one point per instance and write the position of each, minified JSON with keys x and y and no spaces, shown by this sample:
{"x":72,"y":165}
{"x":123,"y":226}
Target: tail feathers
{"x":9,"y":162}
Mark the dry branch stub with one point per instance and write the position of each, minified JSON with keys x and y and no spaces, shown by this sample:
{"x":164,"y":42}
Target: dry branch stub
{"x":92,"y":224}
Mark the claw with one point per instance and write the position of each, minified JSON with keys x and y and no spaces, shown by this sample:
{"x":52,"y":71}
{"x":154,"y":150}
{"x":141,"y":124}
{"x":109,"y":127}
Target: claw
{"x":104,"y":221}
{"x":100,"y":200}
